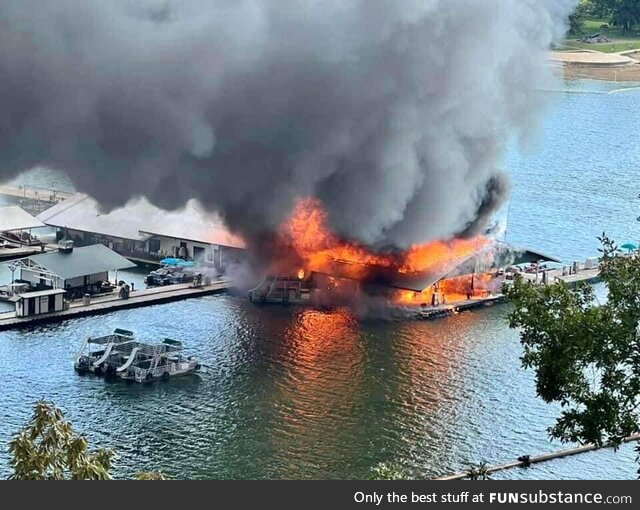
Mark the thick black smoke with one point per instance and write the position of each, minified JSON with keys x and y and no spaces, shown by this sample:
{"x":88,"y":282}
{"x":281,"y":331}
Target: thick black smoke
{"x":394,"y":112}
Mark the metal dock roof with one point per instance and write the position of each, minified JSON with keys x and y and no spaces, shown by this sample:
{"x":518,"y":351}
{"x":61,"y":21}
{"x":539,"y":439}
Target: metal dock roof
{"x":15,"y":218}
{"x":82,"y":261}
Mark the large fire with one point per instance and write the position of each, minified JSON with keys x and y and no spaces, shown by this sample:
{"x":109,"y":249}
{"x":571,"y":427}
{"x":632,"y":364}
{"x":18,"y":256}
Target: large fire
{"x":320,"y":250}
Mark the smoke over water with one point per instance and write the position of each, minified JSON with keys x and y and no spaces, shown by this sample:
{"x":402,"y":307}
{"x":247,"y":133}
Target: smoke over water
{"x":395,"y":114}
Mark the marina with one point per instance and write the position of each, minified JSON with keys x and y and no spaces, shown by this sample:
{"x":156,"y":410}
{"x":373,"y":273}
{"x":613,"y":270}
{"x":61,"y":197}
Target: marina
{"x":112,"y":302}
{"x":144,"y":233}
{"x":306,"y":392}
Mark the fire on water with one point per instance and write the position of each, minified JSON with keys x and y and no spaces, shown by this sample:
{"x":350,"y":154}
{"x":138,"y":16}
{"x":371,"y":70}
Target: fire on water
{"x":321,"y":251}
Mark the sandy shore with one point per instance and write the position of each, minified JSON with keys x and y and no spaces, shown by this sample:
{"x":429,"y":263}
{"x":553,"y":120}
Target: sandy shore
{"x":595,"y":65}
{"x":631,"y":73}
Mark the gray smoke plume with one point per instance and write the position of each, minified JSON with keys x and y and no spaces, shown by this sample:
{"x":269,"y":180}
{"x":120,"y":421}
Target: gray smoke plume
{"x":394,"y":113}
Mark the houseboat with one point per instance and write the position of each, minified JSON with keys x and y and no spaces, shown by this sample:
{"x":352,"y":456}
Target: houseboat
{"x":288,"y":289}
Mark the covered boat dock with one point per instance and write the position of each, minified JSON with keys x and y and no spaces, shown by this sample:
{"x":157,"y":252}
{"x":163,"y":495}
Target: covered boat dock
{"x":79,"y":271}
{"x":16,"y":238}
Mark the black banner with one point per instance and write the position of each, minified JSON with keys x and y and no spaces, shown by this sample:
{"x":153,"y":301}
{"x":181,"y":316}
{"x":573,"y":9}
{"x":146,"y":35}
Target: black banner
{"x":363,"y":495}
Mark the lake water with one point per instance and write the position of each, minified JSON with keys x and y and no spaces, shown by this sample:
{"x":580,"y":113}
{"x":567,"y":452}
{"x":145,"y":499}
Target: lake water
{"x":298,"y":393}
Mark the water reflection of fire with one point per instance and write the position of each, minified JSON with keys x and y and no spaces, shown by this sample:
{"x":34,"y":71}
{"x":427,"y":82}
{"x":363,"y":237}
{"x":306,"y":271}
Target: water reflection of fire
{"x":307,"y":233}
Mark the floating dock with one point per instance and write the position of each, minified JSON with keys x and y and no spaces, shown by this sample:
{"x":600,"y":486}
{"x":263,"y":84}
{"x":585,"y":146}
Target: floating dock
{"x":34,"y":193}
{"x":32,"y":199}
{"x":446,"y":310}
{"x":583,"y":275}
{"x":589,"y":276}
{"x":112,"y":302}
{"x":18,"y":252}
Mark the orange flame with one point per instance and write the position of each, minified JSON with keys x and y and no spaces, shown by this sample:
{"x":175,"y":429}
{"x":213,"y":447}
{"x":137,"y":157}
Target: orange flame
{"x":451,"y":290}
{"x":308,"y":234}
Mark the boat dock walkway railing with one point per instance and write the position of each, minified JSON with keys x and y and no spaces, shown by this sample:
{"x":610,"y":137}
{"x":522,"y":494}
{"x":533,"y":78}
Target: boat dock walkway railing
{"x":112,"y":302}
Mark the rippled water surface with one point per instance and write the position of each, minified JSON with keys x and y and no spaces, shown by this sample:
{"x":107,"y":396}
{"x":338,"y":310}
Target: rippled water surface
{"x":299,"y":393}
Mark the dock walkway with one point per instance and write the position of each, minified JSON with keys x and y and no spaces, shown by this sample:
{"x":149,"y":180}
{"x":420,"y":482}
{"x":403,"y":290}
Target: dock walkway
{"x":589,"y":276}
{"x":112,"y":302}
{"x":34,"y":193}
{"x":553,"y":275}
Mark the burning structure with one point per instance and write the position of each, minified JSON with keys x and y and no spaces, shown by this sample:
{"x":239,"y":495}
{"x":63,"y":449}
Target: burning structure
{"x":313,"y":258}
{"x":395,"y":115}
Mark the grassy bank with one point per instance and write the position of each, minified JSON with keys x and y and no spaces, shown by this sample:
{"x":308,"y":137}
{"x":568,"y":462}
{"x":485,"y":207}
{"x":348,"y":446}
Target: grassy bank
{"x":620,"y":41}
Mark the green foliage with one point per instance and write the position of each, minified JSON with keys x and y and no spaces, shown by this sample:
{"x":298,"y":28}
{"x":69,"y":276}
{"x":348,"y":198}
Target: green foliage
{"x":586,"y":356}
{"x":625,"y":13}
{"x":601,"y":16}
{"x":577,"y":19}
{"x":49,"y":449}
{"x":598,"y":8}
{"x":389,"y":471}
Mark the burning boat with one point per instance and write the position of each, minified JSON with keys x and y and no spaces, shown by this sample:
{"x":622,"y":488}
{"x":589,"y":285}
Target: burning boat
{"x":285,"y":289}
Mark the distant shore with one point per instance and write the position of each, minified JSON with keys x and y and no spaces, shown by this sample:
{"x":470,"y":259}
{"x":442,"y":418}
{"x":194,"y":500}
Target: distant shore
{"x":623,"y":66}
{"x":626,"y":74}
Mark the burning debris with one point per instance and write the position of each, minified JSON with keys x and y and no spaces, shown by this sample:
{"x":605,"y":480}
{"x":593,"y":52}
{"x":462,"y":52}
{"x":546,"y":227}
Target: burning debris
{"x":315,"y":266}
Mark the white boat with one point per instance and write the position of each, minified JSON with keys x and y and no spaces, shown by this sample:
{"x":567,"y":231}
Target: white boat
{"x":148,"y":363}
{"x":120,"y":355}
{"x":103,"y":355}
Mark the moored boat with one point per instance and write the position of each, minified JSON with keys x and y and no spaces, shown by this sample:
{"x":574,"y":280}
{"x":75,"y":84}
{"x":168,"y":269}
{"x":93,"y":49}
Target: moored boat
{"x":162,"y":361}
{"x":103,"y":355}
{"x":120,"y":355}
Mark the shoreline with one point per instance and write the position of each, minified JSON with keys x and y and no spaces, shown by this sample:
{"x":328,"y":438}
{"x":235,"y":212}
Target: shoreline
{"x":595,"y":65}
{"x":629,"y":74}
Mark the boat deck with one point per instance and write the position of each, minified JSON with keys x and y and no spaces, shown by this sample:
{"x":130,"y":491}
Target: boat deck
{"x":17,"y":253}
{"x":112,"y":302}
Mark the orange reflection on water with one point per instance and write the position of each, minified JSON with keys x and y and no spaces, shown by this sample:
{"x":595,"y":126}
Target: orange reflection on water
{"x":321,"y":384}
{"x":321,"y":334}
